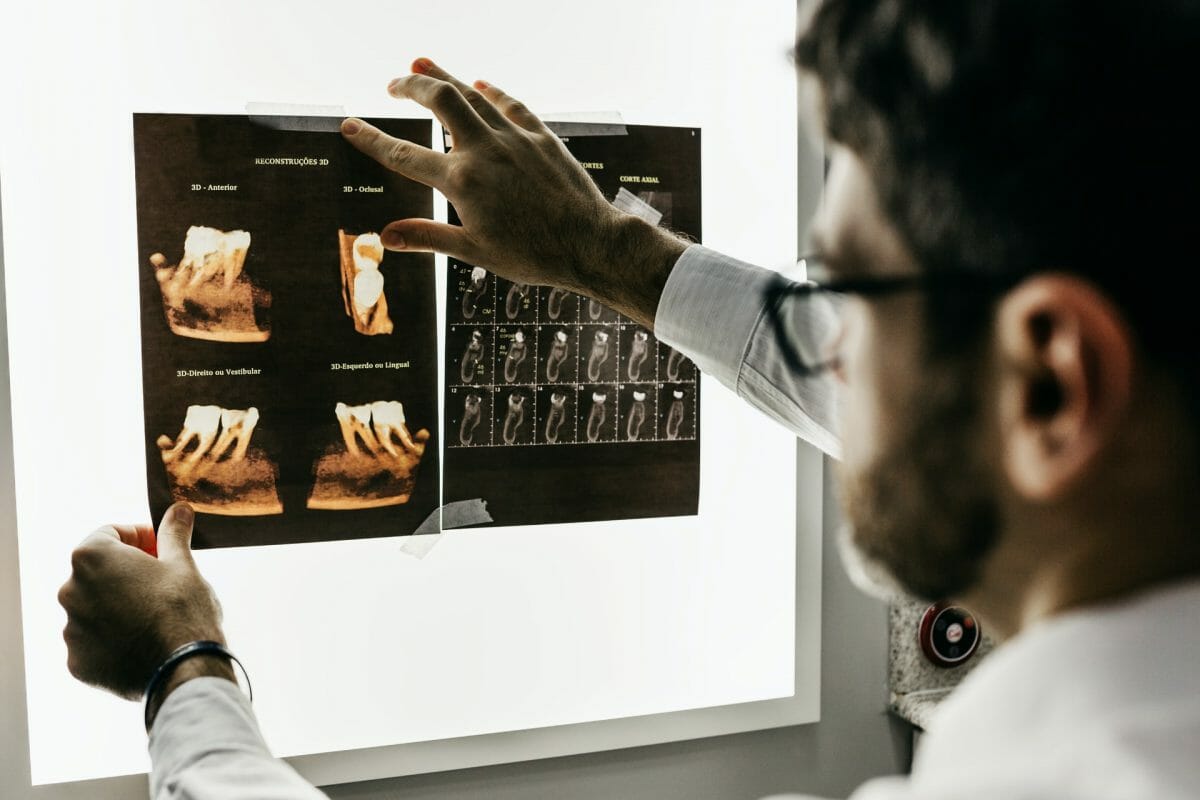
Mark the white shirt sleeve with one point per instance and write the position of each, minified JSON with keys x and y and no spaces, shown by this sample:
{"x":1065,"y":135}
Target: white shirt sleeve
{"x":713,"y":310}
{"x":206,"y":745}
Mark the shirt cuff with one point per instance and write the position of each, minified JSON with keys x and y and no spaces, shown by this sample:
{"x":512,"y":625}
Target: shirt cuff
{"x":728,"y":295}
{"x":203,"y":715}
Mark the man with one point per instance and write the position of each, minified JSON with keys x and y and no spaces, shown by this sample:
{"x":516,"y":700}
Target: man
{"x":1008,"y":197}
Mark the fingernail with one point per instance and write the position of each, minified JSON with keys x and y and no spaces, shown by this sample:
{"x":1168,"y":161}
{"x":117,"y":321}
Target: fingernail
{"x":423,"y":65}
{"x":482,"y":85}
{"x":351,"y":126}
{"x":392,"y":239}
{"x":394,"y":85}
{"x":182,"y":513}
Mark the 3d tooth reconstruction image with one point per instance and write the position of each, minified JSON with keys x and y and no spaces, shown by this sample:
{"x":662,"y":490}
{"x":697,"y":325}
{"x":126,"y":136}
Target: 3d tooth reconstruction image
{"x":211,"y":465}
{"x":207,"y":295}
{"x":362,"y":283}
{"x":374,"y":464}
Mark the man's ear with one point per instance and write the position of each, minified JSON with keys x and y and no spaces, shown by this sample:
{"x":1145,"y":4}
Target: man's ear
{"x":1066,"y":372}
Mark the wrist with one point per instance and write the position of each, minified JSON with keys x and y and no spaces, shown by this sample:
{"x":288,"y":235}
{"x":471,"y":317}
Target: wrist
{"x":201,"y":665}
{"x":629,"y":269}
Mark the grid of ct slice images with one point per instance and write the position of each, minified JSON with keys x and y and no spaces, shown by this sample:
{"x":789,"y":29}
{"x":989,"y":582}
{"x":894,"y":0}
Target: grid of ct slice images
{"x":531,"y":365}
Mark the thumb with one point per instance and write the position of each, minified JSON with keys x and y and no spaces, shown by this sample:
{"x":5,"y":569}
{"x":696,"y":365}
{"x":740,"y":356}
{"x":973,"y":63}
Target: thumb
{"x":423,"y":235}
{"x":175,"y":533}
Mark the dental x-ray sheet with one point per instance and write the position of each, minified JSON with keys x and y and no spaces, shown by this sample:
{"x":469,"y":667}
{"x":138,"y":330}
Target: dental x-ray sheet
{"x":558,"y":408}
{"x":290,"y":363}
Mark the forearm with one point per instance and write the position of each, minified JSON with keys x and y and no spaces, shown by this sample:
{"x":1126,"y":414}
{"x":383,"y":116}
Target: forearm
{"x":205,"y":744}
{"x":712,"y":310}
{"x":200,"y":666}
{"x":628,"y":266}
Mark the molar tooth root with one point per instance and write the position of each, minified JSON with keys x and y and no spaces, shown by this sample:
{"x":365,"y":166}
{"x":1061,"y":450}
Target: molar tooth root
{"x":201,"y":423}
{"x":387,"y":418}
{"x":471,"y":357}
{"x":512,"y":301}
{"x":558,"y":413}
{"x":637,"y":354}
{"x":514,"y":418}
{"x":472,"y":413}
{"x":470,"y":301}
{"x":637,"y":416}
{"x":558,"y":354}
{"x":675,"y":415}
{"x":554,"y":303}
{"x":516,"y":354}
{"x":674,"y":362}
{"x":597,"y":416}
{"x":598,"y":355}
{"x":355,"y":424}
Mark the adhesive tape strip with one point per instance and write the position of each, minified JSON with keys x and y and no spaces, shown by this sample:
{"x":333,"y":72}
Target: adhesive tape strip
{"x":586,"y":123}
{"x":296,"y":117}
{"x":458,"y":514}
{"x":630,"y":203}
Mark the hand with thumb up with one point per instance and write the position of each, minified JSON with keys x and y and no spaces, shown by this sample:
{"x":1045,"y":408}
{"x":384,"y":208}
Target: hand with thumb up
{"x":133,"y":598}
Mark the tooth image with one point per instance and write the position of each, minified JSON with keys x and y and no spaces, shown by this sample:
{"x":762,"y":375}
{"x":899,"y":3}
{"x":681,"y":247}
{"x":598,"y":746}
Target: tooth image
{"x":594,"y":309}
{"x":236,"y":428}
{"x":387,"y":419}
{"x":223,"y":474}
{"x":597,"y":415}
{"x":376,"y":463}
{"x":512,"y":302}
{"x":558,"y":413}
{"x":516,"y":354}
{"x":675,"y":415}
{"x":368,"y":286}
{"x":355,"y":423}
{"x":471,"y":357}
{"x":514,"y":418}
{"x":471,"y":415}
{"x":362,"y":282}
{"x":674,"y":362}
{"x":554,"y":303}
{"x":598,"y":355}
{"x":637,"y":354}
{"x":470,"y":301}
{"x":558,"y":354}
{"x":200,"y":423}
{"x":637,"y":416}
{"x":207,"y":295}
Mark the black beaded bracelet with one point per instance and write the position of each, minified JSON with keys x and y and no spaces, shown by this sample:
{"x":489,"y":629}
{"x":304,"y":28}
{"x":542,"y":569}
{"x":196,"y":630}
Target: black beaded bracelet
{"x":172,"y":661}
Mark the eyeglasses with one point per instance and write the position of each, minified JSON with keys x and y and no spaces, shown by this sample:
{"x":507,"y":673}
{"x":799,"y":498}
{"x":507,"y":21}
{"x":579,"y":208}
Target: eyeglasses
{"x":806,"y":316}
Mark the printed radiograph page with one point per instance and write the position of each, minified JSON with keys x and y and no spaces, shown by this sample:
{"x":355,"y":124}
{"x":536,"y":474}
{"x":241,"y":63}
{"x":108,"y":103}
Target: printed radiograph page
{"x":289,"y":362}
{"x":557,"y":408}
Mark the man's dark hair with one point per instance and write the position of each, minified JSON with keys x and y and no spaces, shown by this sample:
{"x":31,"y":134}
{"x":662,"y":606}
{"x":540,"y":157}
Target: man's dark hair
{"x":1027,"y":135}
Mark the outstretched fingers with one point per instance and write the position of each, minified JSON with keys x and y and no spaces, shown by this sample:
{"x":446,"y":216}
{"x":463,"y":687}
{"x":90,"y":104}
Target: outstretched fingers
{"x":483,"y":107}
{"x":445,"y":100}
{"x":410,"y":160}
{"x":511,"y":108}
{"x":423,"y":235}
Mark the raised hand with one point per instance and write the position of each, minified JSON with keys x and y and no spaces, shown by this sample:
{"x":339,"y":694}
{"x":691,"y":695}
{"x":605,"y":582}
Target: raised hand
{"x":529,"y":211}
{"x":127,"y":608}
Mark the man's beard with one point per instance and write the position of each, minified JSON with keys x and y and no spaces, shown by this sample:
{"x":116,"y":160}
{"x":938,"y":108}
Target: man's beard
{"x":923,"y":517}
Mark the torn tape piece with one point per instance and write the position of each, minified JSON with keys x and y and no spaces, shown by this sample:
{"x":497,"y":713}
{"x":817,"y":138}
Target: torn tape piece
{"x":296,"y":117}
{"x":459,"y":514}
{"x":630,"y":203}
{"x":586,"y":123}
